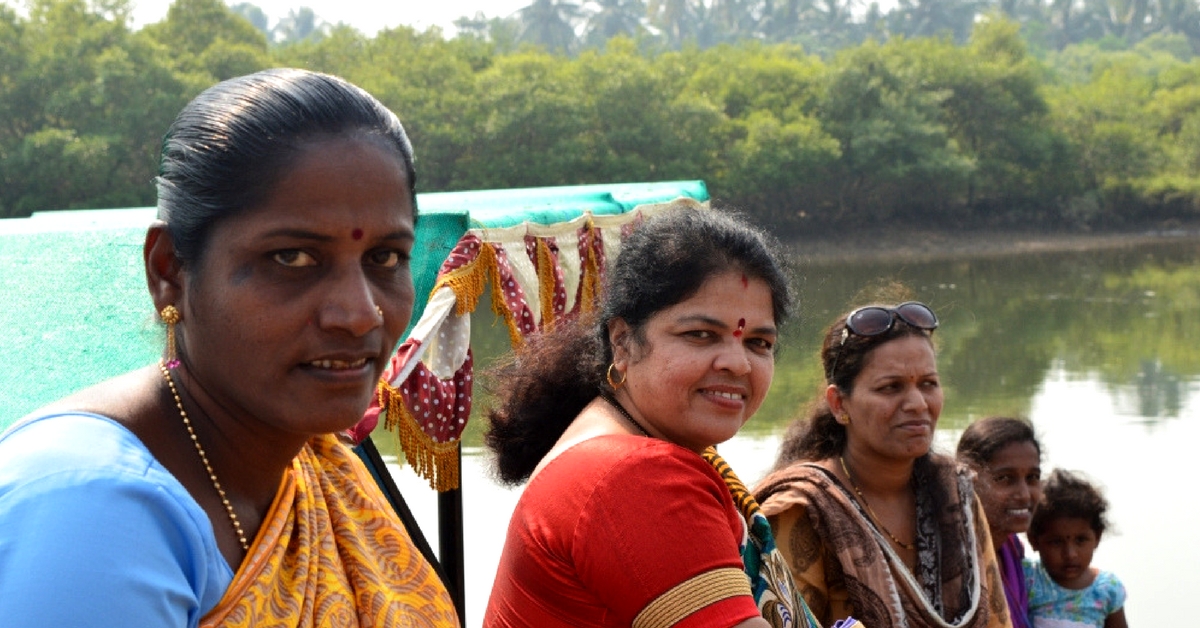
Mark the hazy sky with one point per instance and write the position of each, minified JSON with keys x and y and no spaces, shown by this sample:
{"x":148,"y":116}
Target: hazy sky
{"x":367,"y":16}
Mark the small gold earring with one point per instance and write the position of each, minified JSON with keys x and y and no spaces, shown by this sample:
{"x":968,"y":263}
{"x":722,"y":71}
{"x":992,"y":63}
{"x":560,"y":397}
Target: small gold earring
{"x":170,"y":316}
{"x":379,"y":311}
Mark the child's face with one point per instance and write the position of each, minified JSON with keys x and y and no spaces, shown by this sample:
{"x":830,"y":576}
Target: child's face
{"x":1066,"y":546}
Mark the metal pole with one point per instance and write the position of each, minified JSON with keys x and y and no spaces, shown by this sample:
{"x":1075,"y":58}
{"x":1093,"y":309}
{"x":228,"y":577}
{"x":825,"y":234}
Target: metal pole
{"x":450,"y":542}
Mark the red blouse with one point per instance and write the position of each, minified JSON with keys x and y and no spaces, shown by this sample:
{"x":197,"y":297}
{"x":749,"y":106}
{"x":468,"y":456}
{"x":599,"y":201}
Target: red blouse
{"x":618,"y":525}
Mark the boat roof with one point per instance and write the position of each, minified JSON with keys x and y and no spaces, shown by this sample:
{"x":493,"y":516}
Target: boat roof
{"x":76,"y":311}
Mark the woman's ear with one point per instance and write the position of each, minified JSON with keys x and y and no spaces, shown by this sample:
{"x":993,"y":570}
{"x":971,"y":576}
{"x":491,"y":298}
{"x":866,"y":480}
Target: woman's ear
{"x":833,"y":397}
{"x":618,"y":339}
{"x":164,"y":272}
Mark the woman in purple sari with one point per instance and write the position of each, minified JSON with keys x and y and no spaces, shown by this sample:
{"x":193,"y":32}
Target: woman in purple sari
{"x":1007,"y":460}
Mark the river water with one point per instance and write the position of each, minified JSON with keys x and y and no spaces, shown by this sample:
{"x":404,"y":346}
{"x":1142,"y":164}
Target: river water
{"x":1098,"y":349}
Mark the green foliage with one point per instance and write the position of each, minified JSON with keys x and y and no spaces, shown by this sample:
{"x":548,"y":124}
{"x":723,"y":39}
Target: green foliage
{"x":906,"y":129}
{"x":206,"y":38}
{"x":896,"y":154}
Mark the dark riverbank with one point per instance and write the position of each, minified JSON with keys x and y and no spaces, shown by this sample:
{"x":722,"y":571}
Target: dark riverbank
{"x":921,"y":243}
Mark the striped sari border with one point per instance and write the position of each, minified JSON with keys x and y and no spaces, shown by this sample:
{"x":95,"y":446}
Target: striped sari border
{"x":692,"y":595}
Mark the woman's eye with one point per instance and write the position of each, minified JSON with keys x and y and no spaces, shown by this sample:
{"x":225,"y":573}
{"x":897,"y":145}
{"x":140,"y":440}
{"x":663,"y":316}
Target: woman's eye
{"x":388,"y":258}
{"x":699,"y":334}
{"x":761,"y":344}
{"x":293,"y":258}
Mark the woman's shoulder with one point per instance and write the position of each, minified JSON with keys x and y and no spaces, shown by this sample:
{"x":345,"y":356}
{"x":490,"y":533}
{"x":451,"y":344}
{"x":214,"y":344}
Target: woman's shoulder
{"x":81,"y":489}
{"x":805,"y":475}
{"x":55,"y":442}
{"x":77,"y":462}
{"x":616,"y":455}
{"x":628,"y":466}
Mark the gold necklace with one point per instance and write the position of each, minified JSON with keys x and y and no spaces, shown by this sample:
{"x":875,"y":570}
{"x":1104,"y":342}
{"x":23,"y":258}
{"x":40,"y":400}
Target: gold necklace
{"x":212,"y":475}
{"x":907,"y":546}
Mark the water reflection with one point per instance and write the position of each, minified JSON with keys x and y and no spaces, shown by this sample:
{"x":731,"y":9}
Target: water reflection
{"x":1098,"y":349}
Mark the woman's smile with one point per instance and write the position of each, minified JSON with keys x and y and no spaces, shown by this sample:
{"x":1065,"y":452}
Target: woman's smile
{"x":704,"y":364}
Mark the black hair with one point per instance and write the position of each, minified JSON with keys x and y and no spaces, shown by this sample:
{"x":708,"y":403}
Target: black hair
{"x":230,"y":146}
{"x":541,"y":388}
{"x":982,"y":439}
{"x":1066,"y":494}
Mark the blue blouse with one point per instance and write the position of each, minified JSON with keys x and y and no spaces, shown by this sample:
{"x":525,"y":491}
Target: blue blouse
{"x":94,"y":531}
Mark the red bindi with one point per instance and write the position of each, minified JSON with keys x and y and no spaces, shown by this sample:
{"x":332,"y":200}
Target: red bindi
{"x":737,"y":333}
{"x":356,"y":234}
{"x":745,"y":284}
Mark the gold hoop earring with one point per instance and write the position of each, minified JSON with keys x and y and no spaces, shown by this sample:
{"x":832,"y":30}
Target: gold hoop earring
{"x":170,"y":316}
{"x":609,"y":376}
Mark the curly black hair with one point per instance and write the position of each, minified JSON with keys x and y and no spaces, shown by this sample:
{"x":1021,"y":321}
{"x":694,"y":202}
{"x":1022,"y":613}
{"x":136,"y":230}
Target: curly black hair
{"x":1067,"y":494}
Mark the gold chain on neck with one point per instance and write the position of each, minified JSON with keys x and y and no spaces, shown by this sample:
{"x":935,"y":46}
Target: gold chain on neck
{"x":878,"y":523}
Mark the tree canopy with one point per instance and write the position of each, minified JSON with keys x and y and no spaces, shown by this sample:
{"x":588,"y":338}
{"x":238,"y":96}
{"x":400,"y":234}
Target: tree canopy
{"x":994,"y":129}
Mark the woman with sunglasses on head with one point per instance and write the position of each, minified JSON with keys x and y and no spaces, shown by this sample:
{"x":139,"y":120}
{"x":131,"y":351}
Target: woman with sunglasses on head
{"x":872,"y":523}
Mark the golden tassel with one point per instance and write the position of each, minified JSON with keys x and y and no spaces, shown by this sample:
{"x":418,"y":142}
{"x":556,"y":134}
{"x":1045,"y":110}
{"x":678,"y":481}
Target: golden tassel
{"x":468,"y":282}
{"x":546,"y":275}
{"x":500,"y":305}
{"x":590,"y":282}
{"x":436,"y":462}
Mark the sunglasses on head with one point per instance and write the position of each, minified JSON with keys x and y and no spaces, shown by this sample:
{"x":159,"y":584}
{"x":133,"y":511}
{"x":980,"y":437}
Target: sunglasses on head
{"x":874,"y":320}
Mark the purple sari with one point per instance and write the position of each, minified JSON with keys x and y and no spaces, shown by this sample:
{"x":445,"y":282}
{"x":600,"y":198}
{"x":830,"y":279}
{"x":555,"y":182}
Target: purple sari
{"x":1009,"y":557}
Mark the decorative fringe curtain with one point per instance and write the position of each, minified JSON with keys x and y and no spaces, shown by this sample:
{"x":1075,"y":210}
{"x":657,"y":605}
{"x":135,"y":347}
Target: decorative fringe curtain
{"x":537,"y":274}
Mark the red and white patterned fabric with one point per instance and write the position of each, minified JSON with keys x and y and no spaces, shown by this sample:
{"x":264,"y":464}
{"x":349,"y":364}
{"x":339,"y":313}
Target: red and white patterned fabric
{"x":537,"y":274}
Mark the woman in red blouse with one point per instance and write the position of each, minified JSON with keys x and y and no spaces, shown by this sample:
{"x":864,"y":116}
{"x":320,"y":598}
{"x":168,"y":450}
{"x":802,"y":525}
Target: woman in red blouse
{"x":629,"y":517}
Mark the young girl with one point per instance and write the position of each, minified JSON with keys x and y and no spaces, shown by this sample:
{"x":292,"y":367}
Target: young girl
{"x":1065,"y":591}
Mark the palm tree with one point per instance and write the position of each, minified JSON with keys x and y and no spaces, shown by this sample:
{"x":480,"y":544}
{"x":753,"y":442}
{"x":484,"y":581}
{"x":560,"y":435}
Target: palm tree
{"x":676,"y":19}
{"x":613,"y":17}
{"x":737,"y":19}
{"x":300,"y":25}
{"x":929,"y":18}
{"x":550,"y":24}
{"x":253,"y":14}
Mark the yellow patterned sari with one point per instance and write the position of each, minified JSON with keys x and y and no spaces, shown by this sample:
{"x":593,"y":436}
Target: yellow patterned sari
{"x":332,"y":553}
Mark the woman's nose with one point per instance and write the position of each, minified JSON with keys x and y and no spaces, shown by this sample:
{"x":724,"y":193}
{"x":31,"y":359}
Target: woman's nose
{"x":349,"y":305}
{"x":732,"y":357}
{"x":915,"y":399}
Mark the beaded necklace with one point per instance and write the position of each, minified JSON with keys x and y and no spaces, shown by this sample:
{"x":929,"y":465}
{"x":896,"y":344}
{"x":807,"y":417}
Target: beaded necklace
{"x":212,"y":475}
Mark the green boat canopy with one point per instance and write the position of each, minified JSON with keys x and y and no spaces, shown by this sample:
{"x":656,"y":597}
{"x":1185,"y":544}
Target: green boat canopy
{"x":76,"y":309}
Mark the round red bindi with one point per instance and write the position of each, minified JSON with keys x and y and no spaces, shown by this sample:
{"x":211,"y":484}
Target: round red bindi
{"x":357,"y":234}
{"x":737,"y":333}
